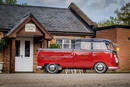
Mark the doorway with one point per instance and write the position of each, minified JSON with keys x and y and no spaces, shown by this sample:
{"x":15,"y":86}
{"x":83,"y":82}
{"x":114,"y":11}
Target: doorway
{"x":24,"y":55}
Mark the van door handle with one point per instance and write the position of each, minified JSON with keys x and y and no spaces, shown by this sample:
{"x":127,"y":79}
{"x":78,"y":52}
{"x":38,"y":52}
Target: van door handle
{"x":73,"y":53}
{"x":21,"y":56}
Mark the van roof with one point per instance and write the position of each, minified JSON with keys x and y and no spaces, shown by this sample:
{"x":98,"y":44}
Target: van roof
{"x":94,"y":40}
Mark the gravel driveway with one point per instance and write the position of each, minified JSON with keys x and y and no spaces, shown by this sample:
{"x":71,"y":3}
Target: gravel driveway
{"x":64,"y":80}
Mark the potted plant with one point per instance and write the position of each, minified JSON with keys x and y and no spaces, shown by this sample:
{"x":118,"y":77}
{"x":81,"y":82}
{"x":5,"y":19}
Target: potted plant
{"x":3,"y":45}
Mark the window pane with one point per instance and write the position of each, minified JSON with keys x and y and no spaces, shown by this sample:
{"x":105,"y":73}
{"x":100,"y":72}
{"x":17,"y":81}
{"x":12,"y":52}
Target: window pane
{"x":17,"y":46}
{"x":66,"y":41}
{"x":77,"y":45}
{"x":59,"y":42}
{"x":66,"y":46}
{"x":99,"y":45}
{"x":72,"y":44}
{"x":27,"y":48}
{"x":86,"y":45}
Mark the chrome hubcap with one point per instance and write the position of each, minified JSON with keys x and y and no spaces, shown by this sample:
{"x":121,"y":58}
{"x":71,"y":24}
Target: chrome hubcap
{"x":52,"y":67}
{"x":100,"y":67}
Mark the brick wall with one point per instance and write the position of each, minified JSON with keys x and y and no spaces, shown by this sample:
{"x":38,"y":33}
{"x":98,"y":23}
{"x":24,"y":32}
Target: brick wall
{"x":1,"y":35}
{"x":107,"y":34}
{"x":5,"y":56}
{"x":120,"y":37}
{"x":124,"y":45}
{"x":6,"y":59}
{"x":36,"y":46}
{"x":1,"y":51}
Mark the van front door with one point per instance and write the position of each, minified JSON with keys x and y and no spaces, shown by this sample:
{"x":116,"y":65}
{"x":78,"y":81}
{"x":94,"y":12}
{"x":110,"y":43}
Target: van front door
{"x":83,"y":56}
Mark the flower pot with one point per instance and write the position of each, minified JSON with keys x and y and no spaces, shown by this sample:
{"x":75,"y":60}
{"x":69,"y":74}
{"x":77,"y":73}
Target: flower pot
{"x":1,"y":67}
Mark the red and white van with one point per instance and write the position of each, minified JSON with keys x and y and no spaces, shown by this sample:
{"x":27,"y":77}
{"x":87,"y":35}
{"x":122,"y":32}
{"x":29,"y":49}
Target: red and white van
{"x":97,"y":54}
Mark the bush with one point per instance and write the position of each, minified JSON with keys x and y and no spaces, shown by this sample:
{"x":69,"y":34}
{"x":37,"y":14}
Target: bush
{"x":55,"y":45}
{"x":3,"y":44}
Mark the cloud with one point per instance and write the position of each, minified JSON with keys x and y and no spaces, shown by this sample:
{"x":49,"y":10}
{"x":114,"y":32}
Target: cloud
{"x":100,"y":10}
{"x":97,"y":10}
{"x":80,"y":3}
{"x":48,"y":3}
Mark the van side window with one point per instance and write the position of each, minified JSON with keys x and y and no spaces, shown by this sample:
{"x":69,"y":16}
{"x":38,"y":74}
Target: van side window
{"x":99,"y":46}
{"x":86,"y":45}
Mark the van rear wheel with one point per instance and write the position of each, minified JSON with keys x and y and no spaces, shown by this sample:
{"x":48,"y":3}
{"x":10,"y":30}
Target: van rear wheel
{"x":51,"y":68}
{"x":100,"y":67}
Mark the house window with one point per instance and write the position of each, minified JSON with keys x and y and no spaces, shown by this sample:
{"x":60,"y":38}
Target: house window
{"x":66,"y":43}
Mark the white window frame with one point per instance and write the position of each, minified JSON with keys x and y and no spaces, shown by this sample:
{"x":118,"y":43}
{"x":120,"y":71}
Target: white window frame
{"x":63,"y":42}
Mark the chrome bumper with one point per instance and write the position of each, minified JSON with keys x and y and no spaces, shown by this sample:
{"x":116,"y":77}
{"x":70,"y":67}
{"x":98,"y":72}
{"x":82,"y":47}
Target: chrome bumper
{"x":113,"y":68}
{"x":39,"y":67}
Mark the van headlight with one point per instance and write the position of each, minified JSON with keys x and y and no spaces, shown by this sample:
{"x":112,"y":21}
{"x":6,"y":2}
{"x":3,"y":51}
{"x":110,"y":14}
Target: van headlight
{"x":116,"y":59}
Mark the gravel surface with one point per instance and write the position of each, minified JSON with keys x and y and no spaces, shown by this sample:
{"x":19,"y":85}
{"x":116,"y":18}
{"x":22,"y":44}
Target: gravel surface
{"x":64,"y":80}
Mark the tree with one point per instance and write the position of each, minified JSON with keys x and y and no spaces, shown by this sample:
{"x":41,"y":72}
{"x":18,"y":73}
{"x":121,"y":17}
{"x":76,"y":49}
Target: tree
{"x":8,"y":2}
{"x":124,"y":14}
{"x":12,"y":2}
{"x":1,"y":1}
{"x":111,"y":21}
{"x":122,"y":17}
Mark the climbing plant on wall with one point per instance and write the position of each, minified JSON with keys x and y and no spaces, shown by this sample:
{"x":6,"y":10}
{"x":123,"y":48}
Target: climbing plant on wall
{"x":3,"y":44}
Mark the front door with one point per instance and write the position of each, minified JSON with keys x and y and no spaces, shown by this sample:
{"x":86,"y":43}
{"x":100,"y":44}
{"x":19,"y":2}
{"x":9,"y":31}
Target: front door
{"x":24,"y":55}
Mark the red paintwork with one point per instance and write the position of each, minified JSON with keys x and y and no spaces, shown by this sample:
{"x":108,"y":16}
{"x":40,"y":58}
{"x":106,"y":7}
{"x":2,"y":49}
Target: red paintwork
{"x":76,"y":58}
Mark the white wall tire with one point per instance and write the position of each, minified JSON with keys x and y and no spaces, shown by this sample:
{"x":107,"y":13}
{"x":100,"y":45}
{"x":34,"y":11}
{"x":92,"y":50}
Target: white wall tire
{"x":51,"y":68}
{"x":100,"y":67}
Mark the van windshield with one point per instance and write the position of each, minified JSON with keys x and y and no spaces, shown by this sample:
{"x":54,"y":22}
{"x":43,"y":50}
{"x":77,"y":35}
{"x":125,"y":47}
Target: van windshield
{"x":110,"y":46}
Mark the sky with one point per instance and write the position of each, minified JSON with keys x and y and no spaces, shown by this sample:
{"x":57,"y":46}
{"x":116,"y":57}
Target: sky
{"x":96,"y":10}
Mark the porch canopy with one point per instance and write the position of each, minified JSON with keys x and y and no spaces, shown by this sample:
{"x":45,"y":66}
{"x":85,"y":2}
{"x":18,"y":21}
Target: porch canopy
{"x":27,"y":27}
{"x":20,"y":28}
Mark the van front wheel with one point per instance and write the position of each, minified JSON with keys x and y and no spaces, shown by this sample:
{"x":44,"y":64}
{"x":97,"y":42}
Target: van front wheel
{"x":51,"y":68}
{"x":100,"y":67}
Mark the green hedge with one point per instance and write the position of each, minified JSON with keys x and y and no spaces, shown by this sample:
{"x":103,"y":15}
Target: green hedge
{"x":55,"y":45}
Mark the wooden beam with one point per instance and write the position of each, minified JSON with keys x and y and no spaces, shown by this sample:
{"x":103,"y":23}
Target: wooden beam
{"x":45,"y":43}
{"x":13,"y":56}
{"x":13,"y":34}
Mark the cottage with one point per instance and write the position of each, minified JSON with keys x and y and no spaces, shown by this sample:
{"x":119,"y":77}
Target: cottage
{"x":27,"y":28}
{"x":120,"y":35}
